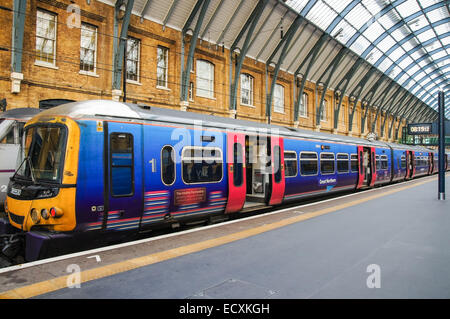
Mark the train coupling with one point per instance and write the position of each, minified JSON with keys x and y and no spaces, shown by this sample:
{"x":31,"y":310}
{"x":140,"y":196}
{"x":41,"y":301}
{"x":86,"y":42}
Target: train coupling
{"x":11,"y":244}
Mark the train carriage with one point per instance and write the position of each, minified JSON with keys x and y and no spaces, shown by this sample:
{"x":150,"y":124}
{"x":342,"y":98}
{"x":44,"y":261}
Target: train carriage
{"x":101,"y":170}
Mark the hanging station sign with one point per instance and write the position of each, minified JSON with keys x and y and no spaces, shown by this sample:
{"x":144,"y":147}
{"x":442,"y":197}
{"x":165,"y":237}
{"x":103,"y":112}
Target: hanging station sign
{"x":419,"y":129}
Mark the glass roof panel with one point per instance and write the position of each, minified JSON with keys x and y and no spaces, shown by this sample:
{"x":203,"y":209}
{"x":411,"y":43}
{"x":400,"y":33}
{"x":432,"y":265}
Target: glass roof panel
{"x":321,"y":15}
{"x":427,"y":35}
{"x":358,"y":16}
{"x":408,"y":8}
{"x":373,"y":31}
{"x":347,"y":31}
{"x":360,"y":45}
{"x":437,"y":14}
{"x":418,"y":23}
{"x":410,"y":19}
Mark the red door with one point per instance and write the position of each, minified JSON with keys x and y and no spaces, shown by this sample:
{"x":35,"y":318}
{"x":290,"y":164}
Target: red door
{"x":277,"y":176}
{"x":430,"y":163}
{"x":407,"y":165}
{"x":236,"y":172}
{"x":413,"y":164}
{"x":373,"y":167}
{"x":361,"y":167}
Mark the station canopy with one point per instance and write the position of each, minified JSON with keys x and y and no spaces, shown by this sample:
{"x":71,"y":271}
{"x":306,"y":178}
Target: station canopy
{"x":385,"y":53}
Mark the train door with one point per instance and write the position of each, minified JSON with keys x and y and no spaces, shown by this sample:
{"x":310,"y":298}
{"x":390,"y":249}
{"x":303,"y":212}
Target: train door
{"x":277,"y":179}
{"x":236,"y":172}
{"x":361,"y":169}
{"x":123,"y":163}
{"x":430,"y":163}
{"x":373,"y":170}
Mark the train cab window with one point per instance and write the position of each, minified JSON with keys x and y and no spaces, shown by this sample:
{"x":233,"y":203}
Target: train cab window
{"x":342,"y":163}
{"x":201,"y":165}
{"x":403,"y":162}
{"x":121,"y":159}
{"x":354,"y":163}
{"x":308,"y":163}
{"x":377,"y":162}
{"x":384,"y":161}
{"x":168,"y":165}
{"x":326,"y":163}
{"x":290,"y":163}
{"x":238,"y":163}
{"x":7,"y":127}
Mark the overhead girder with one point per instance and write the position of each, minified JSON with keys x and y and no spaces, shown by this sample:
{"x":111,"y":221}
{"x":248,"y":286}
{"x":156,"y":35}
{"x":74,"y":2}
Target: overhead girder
{"x":388,"y":110}
{"x":119,"y":42}
{"x":248,"y":27}
{"x":262,"y":25}
{"x":169,"y":13}
{"x":18,"y":27}
{"x":357,"y":91}
{"x":342,"y":88}
{"x":311,"y":57}
{"x":368,"y":97}
{"x":285,"y":42}
{"x":380,"y":104}
{"x":200,"y":7}
{"x":330,"y":70}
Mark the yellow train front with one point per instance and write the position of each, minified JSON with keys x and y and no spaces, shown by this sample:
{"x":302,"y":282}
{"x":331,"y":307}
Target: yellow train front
{"x":41,"y":194}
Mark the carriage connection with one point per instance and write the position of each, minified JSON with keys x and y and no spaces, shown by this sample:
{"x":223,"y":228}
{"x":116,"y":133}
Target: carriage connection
{"x":102,"y":170}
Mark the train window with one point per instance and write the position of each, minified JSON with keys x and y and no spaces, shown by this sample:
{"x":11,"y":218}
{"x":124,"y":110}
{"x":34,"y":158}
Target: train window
{"x":342,"y":163}
{"x":384,"y":161}
{"x":7,"y":127}
{"x":377,"y":162}
{"x":308,"y":163}
{"x":290,"y":163}
{"x":238,"y":173}
{"x":121,"y":159}
{"x":326,"y":163}
{"x":277,"y":163}
{"x":168,"y":165}
{"x":403,"y":162}
{"x":354,"y":163}
{"x":201,"y":165}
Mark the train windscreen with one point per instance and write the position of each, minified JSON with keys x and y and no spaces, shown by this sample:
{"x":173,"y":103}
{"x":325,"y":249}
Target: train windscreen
{"x":44,"y":148}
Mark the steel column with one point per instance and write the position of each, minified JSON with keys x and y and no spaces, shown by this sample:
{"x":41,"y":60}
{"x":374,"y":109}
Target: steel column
{"x":250,"y":25}
{"x":186,"y":72}
{"x":441,"y":188}
{"x":119,"y":49}
{"x":18,"y":25}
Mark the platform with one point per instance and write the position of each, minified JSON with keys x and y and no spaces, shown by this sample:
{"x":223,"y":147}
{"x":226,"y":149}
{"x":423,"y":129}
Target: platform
{"x":395,"y":238}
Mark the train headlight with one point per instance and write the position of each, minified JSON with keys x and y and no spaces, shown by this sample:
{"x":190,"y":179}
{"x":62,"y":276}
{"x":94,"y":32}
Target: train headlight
{"x":56,"y":212}
{"x":35,"y":216}
{"x":45,"y":214}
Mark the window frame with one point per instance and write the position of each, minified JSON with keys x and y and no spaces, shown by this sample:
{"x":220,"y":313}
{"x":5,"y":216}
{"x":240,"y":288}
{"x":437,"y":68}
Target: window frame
{"x":212,"y":72}
{"x":38,"y":61}
{"x":251,"y":90}
{"x":343,"y":160}
{"x":304,"y":104}
{"x":111,"y":166}
{"x":183,"y":157}
{"x":300,"y":163}
{"x":290,"y":159}
{"x":384,"y":158}
{"x":166,"y":66}
{"x":276,"y":98}
{"x":138,"y":62}
{"x":174,"y":165}
{"x":328,"y":160}
{"x":88,"y":25}
{"x":354,"y":160}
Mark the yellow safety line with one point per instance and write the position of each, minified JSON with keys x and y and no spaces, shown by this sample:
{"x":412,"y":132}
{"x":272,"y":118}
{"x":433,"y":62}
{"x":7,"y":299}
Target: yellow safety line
{"x":109,"y":270}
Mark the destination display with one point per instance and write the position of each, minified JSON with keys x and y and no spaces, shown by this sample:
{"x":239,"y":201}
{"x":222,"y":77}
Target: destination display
{"x":419,"y":129}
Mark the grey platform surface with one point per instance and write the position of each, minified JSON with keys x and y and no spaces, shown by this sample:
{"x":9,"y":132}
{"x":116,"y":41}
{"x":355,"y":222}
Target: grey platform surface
{"x":405,"y":234}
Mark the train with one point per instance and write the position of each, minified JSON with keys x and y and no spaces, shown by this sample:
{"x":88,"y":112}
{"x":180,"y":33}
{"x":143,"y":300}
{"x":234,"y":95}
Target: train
{"x":98,"y":170}
{"x":11,"y":131}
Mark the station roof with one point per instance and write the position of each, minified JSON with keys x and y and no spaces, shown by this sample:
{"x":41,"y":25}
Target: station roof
{"x":391,"y":54}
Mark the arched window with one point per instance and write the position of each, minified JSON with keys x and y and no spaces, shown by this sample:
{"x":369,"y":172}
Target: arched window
{"x":247,"y":89}
{"x":205,"y":79}
{"x":303,"y":109}
{"x":278,"y":99}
